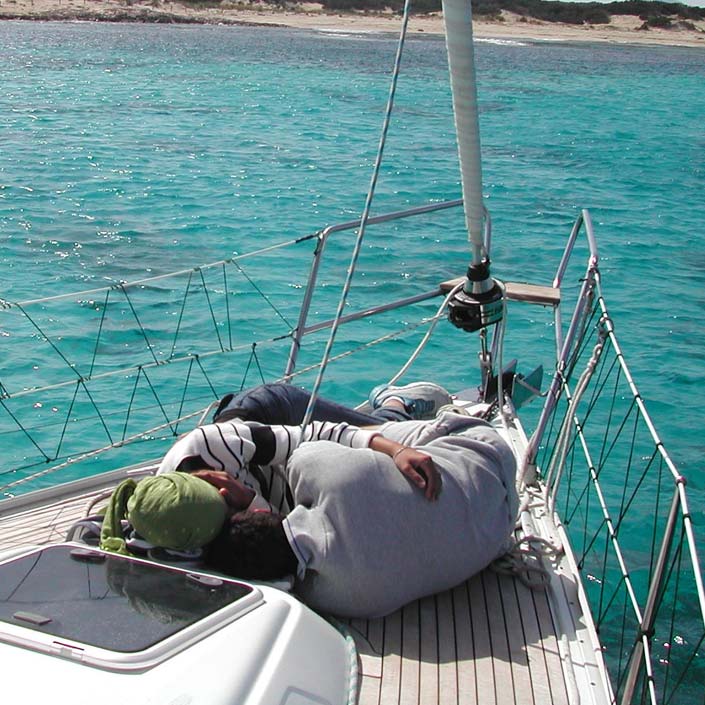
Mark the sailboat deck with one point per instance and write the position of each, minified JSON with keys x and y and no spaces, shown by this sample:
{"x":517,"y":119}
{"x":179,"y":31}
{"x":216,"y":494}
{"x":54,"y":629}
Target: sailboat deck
{"x":490,"y":640}
{"x":47,"y":523}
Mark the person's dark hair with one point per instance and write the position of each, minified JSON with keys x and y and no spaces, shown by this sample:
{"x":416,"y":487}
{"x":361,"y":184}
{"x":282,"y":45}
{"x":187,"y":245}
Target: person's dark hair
{"x":253,"y":545}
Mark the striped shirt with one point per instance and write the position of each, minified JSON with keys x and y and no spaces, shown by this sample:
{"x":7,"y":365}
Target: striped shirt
{"x":232,"y":445}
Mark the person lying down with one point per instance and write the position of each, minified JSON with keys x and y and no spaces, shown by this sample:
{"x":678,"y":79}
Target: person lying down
{"x":379,"y":517}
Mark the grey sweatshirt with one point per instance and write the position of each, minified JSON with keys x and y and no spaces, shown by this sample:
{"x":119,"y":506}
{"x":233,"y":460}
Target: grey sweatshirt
{"x":368,"y":541}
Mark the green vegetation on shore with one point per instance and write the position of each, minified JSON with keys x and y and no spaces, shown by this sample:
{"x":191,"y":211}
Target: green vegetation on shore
{"x":658,"y":14}
{"x":654,"y":13}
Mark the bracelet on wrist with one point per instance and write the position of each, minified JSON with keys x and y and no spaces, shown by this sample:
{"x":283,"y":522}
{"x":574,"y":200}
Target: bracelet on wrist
{"x":399,"y":450}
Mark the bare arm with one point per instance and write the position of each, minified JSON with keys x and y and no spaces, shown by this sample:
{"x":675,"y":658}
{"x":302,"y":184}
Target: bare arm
{"x":236,"y":494}
{"x":414,"y":464}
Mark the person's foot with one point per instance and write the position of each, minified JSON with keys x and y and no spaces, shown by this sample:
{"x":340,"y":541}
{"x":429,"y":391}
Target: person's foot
{"x":421,"y":400}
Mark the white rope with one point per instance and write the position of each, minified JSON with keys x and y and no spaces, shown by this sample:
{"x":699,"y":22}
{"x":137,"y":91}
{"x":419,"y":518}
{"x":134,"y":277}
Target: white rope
{"x":501,"y":328}
{"x":426,"y":337}
{"x":363,"y":220}
{"x":557,"y":464}
{"x":524,"y":561}
{"x":439,"y":313}
{"x":524,"y":557}
{"x":364,"y":346}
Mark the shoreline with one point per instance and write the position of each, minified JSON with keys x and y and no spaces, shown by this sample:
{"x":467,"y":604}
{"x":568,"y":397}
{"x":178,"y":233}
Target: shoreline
{"x":621,"y":30}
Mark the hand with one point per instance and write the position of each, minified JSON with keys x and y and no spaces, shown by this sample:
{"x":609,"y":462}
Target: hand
{"x":235,"y":493}
{"x":421,"y":470}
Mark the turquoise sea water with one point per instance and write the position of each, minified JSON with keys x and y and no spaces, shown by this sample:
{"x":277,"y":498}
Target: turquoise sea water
{"x":128,"y":150}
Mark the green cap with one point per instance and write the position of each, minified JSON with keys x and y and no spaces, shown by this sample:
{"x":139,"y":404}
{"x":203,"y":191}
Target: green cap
{"x":174,"y":510}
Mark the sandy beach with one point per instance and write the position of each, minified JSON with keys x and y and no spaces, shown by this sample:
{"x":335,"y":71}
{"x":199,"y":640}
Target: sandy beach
{"x":621,"y":30}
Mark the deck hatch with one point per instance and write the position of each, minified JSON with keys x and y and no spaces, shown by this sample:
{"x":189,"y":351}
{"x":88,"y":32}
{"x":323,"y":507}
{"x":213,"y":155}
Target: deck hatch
{"x":110,"y":602}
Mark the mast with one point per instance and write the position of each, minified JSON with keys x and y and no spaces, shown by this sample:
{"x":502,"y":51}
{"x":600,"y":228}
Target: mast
{"x":479,"y":303}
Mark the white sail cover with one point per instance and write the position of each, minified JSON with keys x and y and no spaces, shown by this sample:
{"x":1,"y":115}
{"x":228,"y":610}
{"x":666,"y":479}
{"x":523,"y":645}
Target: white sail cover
{"x":457,"y":15}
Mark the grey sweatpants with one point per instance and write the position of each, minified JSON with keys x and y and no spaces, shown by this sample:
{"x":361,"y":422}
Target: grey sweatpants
{"x":371,"y":542}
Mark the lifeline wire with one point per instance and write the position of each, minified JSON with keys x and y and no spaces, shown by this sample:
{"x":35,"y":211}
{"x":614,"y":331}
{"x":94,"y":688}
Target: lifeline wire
{"x":363,"y":219}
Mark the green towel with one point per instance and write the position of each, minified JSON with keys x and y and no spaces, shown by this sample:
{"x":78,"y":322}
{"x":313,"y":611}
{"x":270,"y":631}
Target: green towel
{"x":174,"y":510}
